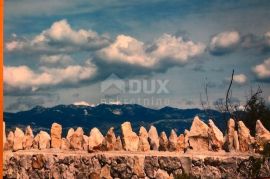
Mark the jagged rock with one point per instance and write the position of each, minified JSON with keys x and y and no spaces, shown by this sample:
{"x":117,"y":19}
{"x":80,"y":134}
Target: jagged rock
{"x":236,"y":141}
{"x":229,"y":143}
{"x":262,"y":135}
{"x":130,"y":138}
{"x":110,"y":140}
{"x":95,"y":140}
{"x":10,"y":141}
{"x":85,"y":142}
{"x":4,"y":134}
{"x":173,"y":141}
{"x":28,"y":138}
{"x":65,"y":144}
{"x":216,"y":139}
{"x":70,"y":133}
{"x":245,"y":139}
{"x":18,"y":139}
{"x":180,"y":146}
{"x":198,"y":135}
{"x":186,"y":134}
{"x":143,"y":140}
{"x":56,"y":134}
{"x":118,"y":144}
{"x":44,"y":140}
{"x":153,"y":138}
{"x":105,"y":172}
{"x":35,"y":142}
{"x":76,"y":139}
{"x":161,"y":174}
{"x":163,"y":142}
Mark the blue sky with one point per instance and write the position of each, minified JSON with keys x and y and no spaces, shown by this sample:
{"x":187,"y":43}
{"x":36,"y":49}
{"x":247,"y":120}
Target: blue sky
{"x":60,"y":52}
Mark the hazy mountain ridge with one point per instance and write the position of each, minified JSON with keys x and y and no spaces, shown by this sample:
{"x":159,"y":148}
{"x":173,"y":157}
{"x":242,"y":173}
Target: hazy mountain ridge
{"x":104,"y":116}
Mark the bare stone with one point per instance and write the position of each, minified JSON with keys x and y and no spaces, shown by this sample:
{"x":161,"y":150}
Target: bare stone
{"x":186,"y":134}
{"x":180,"y":143}
{"x":230,"y":135}
{"x":130,"y":138}
{"x":138,"y":168}
{"x":44,"y":140}
{"x":163,"y":142}
{"x":10,"y":141}
{"x":143,"y":140}
{"x":262,"y":135}
{"x":76,"y":139}
{"x":153,"y":138}
{"x":105,"y":172}
{"x":70,"y":133}
{"x":216,"y":139}
{"x":85,"y":142}
{"x":245,"y":139}
{"x":65,"y":145}
{"x":198,"y":135}
{"x":161,"y":174}
{"x":36,"y":142}
{"x":110,"y":140}
{"x":56,"y":134}
{"x":118,"y":144}
{"x":236,"y":141}
{"x":173,"y":141}
{"x":18,"y":139}
{"x":95,"y":140}
{"x":28,"y":138}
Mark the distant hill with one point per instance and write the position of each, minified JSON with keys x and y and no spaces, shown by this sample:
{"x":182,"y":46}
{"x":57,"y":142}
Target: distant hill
{"x":105,"y":116}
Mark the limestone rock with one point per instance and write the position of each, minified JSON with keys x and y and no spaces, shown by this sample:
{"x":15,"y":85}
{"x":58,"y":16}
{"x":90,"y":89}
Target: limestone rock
{"x":56,"y":134}
{"x":180,"y":146}
{"x":186,"y":134}
{"x":65,"y":145}
{"x":161,"y":174}
{"x":4,"y":134}
{"x":35,"y":142}
{"x":44,"y":140}
{"x":105,"y":172}
{"x":110,"y":140}
{"x":143,"y":140}
{"x":95,"y":139}
{"x":10,"y":141}
{"x":130,"y":138}
{"x":262,"y":135}
{"x":28,"y":138}
{"x":216,"y":139}
{"x":173,"y":141}
{"x":236,"y":141}
{"x":153,"y":138}
{"x":230,"y":135}
{"x":245,"y":139}
{"x":18,"y":139}
{"x":163,"y":142}
{"x":198,"y":135}
{"x":118,"y":144}
{"x":85,"y":142}
{"x":138,"y":168}
{"x":70,"y":133}
{"x":77,"y":140}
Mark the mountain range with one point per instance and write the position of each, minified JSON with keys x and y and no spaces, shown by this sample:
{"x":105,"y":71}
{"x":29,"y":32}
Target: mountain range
{"x":104,"y":116}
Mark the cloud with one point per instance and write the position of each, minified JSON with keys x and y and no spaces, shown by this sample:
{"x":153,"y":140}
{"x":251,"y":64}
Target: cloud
{"x":56,"y":60}
{"x":59,"y":38}
{"x":224,"y":42}
{"x":23,"y":78}
{"x":262,"y":71}
{"x":240,"y":79}
{"x":167,"y":49}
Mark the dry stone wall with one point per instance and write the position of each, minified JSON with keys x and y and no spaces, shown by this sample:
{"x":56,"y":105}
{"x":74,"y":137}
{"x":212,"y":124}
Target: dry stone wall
{"x":154,"y":156}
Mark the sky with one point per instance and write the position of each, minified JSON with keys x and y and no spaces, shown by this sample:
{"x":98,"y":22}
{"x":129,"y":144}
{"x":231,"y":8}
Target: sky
{"x":156,"y":52}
